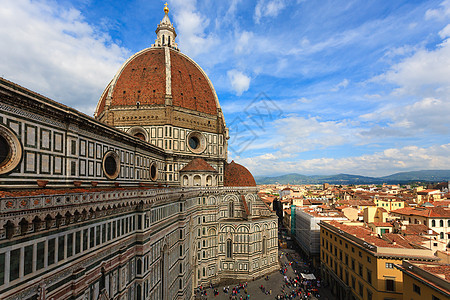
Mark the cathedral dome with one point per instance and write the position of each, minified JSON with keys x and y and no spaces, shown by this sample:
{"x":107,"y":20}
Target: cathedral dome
{"x":155,"y":75}
{"x":237,"y":175}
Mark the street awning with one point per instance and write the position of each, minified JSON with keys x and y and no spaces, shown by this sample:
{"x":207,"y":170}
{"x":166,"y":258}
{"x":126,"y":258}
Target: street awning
{"x":308,"y":276}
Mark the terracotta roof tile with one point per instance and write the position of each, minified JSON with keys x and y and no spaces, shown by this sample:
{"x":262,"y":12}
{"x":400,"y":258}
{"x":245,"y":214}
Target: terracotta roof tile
{"x":143,"y":79}
{"x":190,"y":88}
{"x":237,"y":175}
{"x":198,"y":164}
{"x":439,"y":212}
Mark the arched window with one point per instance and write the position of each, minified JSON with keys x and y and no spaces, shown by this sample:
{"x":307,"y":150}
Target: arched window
{"x":197,"y":180}
{"x":441,"y":223}
{"x":448,"y":223}
{"x":433,"y":223}
{"x":441,"y":235}
{"x":185,"y":180}
{"x":264,"y":245}
{"x":139,"y":267}
{"x":229,"y":248}
{"x":230,"y":208}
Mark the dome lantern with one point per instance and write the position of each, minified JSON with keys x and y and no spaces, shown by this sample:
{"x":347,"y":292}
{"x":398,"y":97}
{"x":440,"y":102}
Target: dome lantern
{"x":165,"y":32}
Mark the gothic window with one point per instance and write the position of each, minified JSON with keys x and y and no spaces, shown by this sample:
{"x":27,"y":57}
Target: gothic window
{"x":229,"y":248}
{"x":230,"y":208}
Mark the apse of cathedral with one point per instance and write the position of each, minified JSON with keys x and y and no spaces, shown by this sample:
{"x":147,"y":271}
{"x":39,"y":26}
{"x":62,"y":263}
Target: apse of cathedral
{"x":136,"y":203}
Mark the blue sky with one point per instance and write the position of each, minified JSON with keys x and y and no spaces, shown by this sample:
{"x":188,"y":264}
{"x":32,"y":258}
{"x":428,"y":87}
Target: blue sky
{"x":313,"y":87}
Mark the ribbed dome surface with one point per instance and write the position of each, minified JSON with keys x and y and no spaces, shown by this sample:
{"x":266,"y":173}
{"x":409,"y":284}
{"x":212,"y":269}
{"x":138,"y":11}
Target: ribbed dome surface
{"x":143,"y":79}
{"x":237,"y":175}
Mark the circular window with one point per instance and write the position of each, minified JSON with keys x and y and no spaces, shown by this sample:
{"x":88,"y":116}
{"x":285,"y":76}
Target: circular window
{"x":138,"y":132}
{"x":10,"y":150}
{"x":111,"y":165}
{"x":196,"y":142}
{"x":153,"y":172}
{"x":5,"y":150}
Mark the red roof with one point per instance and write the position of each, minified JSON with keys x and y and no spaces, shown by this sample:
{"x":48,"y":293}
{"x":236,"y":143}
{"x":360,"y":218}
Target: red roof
{"x":439,"y":212}
{"x":367,"y":235}
{"x":198,"y":164}
{"x":418,"y":229}
{"x":237,"y":175}
{"x":438,"y":270}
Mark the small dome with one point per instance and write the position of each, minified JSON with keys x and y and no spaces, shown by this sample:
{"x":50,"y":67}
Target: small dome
{"x":237,"y":175}
{"x":198,"y":164}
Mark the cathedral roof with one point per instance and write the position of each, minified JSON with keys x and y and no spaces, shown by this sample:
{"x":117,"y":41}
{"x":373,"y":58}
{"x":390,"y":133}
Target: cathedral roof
{"x":160,"y":75}
{"x":198,"y":164}
{"x":143,"y":79}
{"x":237,"y":175}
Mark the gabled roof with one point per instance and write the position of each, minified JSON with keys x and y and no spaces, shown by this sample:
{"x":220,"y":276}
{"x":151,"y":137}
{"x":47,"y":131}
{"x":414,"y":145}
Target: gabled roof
{"x":418,"y":229}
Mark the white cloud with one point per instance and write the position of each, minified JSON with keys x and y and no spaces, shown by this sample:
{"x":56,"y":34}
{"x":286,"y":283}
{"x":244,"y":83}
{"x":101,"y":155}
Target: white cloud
{"x":54,"y":51}
{"x":425,"y":115}
{"x":243,"y":43}
{"x":343,"y":84}
{"x":440,"y":13}
{"x":445,"y":33}
{"x":425,"y":73}
{"x":266,"y":8}
{"x":239,"y":81}
{"x":301,"y":134}
{"x":191,"y":25}
{"x":422,"y":84}
{"x":381,"y":163}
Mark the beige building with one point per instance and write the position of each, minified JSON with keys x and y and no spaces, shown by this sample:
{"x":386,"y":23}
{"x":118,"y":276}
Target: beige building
{"x":436,"y":218}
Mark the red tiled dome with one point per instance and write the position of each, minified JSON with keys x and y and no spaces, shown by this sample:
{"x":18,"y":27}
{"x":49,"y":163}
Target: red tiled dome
{"x":143,"y":79}
{"x":237,"y":175}
{"x":198,"y":164}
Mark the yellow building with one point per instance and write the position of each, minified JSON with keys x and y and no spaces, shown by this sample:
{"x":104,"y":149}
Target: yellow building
{"x":360,"y":265}
{"x":389,"y":203}
{"x":425,"y":281}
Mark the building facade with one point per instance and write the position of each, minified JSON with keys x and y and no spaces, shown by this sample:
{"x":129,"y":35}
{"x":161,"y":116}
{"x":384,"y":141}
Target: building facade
{"x":138,"y":203}
{"x":360,"y":265}
{"x":307,"y":230}
{"x":425,"y":280}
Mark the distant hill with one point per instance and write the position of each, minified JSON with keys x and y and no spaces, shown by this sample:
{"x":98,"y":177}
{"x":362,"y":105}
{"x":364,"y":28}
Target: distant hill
{"x":425,"y":175}
{"x":344,"y":179}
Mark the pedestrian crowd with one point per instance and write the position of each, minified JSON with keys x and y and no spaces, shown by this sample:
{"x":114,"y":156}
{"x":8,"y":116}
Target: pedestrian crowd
{"x":294,"y":285}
